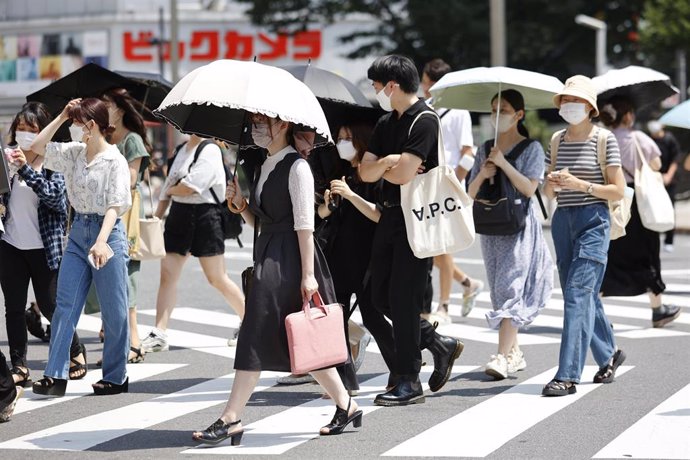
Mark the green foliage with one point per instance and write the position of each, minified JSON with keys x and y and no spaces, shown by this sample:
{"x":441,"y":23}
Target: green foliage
{"x":538,"y":129}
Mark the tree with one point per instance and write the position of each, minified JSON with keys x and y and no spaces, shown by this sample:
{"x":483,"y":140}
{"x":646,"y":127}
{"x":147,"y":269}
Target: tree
{"x":541,"y":34}
{"x":664,"y":30}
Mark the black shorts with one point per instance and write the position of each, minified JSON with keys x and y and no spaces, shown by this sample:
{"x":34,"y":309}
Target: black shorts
{"x":195,"y":228}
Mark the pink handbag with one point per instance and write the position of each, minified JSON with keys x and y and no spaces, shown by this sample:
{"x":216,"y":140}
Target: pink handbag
{"x":316,"y":336}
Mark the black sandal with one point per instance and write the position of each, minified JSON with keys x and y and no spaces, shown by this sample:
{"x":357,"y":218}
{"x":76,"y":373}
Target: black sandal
{"x":342,"y":420}
{"x":607,"y":374}
{"x":558,"y":388}
{"x":78,"y":367}
{"x":138,"y":356}
{"x":218,"y":432}
{"x":103,"y":388}
{"x":26,"y":379}
{"x":49,"y":386}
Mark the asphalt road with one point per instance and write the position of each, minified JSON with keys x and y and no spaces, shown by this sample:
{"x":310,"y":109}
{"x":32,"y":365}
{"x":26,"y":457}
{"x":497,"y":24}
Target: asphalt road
{"x":644,"y":414}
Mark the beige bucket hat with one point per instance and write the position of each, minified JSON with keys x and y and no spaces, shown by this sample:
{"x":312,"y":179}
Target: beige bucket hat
{"x":579,"y":86}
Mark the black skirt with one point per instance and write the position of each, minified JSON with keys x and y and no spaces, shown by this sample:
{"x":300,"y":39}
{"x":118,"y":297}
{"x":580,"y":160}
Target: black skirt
{"x":276,"y":292}
{"x":634,"y":266}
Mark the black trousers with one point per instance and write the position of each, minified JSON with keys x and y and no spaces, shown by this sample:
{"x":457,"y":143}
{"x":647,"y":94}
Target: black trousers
{"x":7,"y":389}
{"x":376,"y":324}
{"x":398,"y":285}
{"x":17,"y":268}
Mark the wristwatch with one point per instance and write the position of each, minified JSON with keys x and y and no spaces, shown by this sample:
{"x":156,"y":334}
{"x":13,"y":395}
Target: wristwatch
{"x":590,"y":188}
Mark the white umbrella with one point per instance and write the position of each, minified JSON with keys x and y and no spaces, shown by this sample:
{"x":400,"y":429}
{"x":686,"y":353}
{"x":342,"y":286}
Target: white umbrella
{"x":643,"y":86}
{"x":472,"y":89}
{"x":213,"y":100}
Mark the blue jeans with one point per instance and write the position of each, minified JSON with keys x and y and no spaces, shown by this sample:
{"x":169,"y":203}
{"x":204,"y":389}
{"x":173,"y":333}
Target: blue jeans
{"x":581,"y":239}
{"x":74,"y":279}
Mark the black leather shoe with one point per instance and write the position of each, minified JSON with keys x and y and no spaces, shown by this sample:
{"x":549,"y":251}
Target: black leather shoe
{"x":445,"y":350}
{"x":664,"y":314}
{"x":218,"y":432}
{"x":405,"y":393}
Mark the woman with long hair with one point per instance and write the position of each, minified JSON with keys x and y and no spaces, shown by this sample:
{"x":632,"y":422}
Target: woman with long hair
{"x":518,"y":265}
{"x":98,"y":188}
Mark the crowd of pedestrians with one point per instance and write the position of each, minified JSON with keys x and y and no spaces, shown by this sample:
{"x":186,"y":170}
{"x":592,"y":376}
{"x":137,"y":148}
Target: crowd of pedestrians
{"x":62,"y":230}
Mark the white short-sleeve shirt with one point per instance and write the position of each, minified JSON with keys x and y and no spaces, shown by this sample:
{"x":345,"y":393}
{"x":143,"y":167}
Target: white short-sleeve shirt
{"x":92,"y":188}
{"x":206,"y":173}
{"x":457,"y":133}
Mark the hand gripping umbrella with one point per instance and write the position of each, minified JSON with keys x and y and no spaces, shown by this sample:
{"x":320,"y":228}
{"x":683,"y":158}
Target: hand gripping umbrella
{"x":214,"y":100}
{"x":472,"y":89}
{"x":643,"y":86}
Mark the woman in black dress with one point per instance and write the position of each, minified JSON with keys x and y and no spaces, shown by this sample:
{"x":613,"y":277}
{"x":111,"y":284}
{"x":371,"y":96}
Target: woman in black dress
{"x":288,"y":268}
{"x":347,"y":234}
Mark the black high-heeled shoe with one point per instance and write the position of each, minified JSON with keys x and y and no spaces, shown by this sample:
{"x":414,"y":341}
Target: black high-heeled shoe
{"x":103,"y":388}
{"x":49,"y":386}
{"x":341,"y":420}
{"x":218,"y":432}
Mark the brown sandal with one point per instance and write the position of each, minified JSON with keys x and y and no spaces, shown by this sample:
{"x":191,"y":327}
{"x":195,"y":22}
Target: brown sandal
{"x":558,"y":388}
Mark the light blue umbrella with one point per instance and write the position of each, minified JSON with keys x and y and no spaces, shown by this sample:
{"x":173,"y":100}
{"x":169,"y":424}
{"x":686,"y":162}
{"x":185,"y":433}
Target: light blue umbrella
{"x":679,"y":116}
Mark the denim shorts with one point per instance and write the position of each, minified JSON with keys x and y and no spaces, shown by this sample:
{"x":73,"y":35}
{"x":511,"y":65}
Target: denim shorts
{"x":195,"y":228}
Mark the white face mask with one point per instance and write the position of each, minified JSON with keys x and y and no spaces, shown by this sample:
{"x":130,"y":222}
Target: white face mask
{"x":384,"y":101}
{"x":24,"y":139}
{"x":346,"y":150}
{"x":504,"y":122}
{"x":76,"y":133}
{"x":261,"y":133}
{"x":573,"y":112}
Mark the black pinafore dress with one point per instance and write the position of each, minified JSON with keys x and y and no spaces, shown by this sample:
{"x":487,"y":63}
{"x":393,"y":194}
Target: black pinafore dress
{"x":276,"y":289}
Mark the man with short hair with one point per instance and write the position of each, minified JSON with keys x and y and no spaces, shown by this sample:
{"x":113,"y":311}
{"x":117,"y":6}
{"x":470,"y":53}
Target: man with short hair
{"x":397,"y":150}
{"x":457,"y":140}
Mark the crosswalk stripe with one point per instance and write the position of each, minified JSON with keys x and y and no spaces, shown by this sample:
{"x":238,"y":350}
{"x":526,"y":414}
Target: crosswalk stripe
{"x":87,"y":432}
{"x":486,"y":335}
{"x":276,"y":434}
{"x":662,"y":433}
{"x":79,"y":388}
{"x":176,"y":338}
{"x":200,"y":316}
{"x":504,"y":416}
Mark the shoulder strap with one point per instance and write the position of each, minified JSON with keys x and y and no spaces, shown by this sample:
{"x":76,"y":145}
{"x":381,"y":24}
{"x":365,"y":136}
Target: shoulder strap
{"x":519,"y":149}
{"x":555,"y":141}
{"x":440,"y":149}
{"x":198,"y":150}
{"x":172,"y":159}
{"x":444,"y":114}
{"x":602,"y":138}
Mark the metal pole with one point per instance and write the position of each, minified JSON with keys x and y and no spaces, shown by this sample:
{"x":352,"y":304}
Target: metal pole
{"x":498,"y":32}
{"x":161,"y":34}
{"x":174,"y":48}
{"x":601,"y":50}
{"x":682,"y":79}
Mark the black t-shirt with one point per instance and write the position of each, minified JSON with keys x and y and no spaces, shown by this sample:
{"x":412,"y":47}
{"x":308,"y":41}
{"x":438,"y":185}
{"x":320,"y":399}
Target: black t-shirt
{"x":670,"y":151}
{"x":392,"y":136}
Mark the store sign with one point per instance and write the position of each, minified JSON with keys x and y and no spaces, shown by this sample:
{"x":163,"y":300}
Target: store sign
{"x":209,"y":45}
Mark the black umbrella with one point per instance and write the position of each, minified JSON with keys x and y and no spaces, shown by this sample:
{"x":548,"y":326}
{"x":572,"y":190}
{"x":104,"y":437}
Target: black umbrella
{"x":342,"y":102}
{"x":151,"y":90}
{"x":90,"y":80}
{"x":643,"y":86}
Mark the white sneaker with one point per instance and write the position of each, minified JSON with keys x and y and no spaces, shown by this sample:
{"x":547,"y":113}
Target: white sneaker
{"x":469,"y":297}
{"x":497,"y":367}
{"x":668,"y":248}
{"x":157,"y":340}
{"x":232,"y":341}
{"x":516,"y":361}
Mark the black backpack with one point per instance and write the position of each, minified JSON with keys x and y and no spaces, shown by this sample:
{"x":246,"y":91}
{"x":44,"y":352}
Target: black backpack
{"x":232,"y":223}
{"x":499,"y":208}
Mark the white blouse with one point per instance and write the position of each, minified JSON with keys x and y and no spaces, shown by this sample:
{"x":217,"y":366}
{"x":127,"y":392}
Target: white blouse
{"x":300,"y":186}
{"x":23,"y":231}
{"x":95,"y":187}
{"x":207,"y":172}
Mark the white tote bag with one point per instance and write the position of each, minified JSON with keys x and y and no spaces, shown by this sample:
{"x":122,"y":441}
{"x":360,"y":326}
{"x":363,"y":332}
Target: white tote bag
{"x":653,"y":202}
{"x":437,"y":209}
